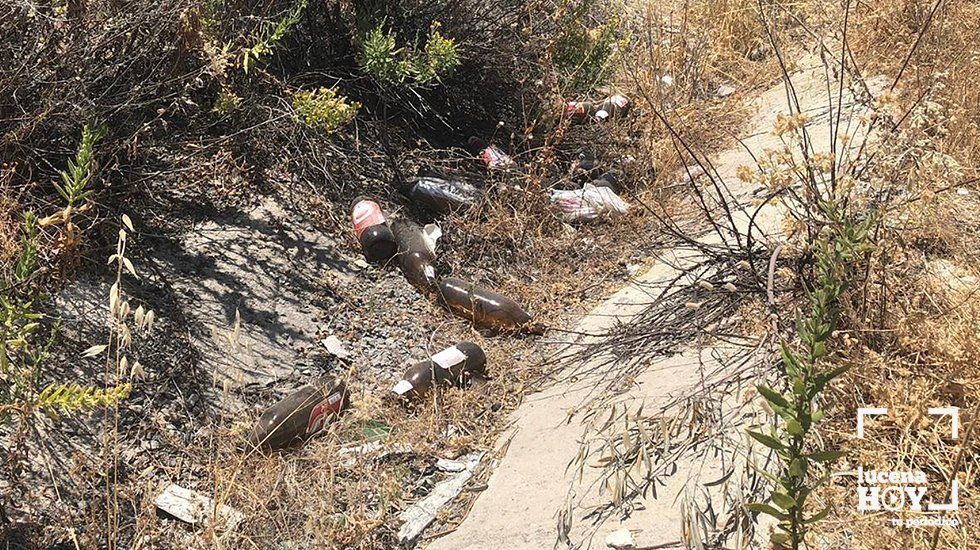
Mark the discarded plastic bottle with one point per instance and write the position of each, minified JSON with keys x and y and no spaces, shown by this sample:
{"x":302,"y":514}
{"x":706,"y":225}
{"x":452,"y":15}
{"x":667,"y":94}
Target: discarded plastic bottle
{"x":486,"y":308}
{"x":440,"y":195}
{"x":491,"y":155}
{"x":455,"y":365}
{"x":300,"y":415}
{"x":414,"y":256}
{"x":376,"y":239}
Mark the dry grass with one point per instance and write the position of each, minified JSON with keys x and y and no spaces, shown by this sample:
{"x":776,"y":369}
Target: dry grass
{"x":913,"y":325}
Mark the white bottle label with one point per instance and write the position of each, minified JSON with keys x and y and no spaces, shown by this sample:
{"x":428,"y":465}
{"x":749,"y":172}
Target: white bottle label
{"x":403,"y":387}
{"x":449,"y":357}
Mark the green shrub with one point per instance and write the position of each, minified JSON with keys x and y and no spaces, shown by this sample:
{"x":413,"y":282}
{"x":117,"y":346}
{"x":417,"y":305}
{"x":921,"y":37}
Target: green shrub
{"x":227,"y":102}
{"x":271,"y":36}
{"x":586,"y":56}
{"x":383,"y":59}
{"x":380,"y":56}
{"x":440,"y":58}
{"x":324,"y":108}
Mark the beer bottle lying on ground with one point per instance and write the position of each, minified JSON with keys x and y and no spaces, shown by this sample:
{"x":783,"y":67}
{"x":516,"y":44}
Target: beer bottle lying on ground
{"x":485,"y":308}
{"x":442,"y":195}
{"x":414,"y":256}
{"x":453,"y":366}
{"x":300,"y":415}
{"x":376,"y":239}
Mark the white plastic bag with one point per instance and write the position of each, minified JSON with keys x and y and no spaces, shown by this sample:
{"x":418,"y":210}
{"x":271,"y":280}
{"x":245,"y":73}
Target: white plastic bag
{"x":588,"y":203}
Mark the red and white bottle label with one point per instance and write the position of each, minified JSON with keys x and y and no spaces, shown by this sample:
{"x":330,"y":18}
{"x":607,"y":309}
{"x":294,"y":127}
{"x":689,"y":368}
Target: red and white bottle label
{"x":366,"y":214}
{"x":321,"y":413}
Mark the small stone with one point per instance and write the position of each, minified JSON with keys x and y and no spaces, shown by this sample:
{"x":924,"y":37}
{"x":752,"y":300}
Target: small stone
{"x":361,"y":263}
{"x":620,"y":540}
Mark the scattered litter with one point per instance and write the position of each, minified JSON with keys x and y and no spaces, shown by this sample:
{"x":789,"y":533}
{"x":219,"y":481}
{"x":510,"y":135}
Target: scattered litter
{"x":609,"y":179}
{"x":415,"y":257}
{"x":375,"y":449}
{"x":450,"y":466}
{"x":377,"y":242}
{"x":418,"y":516}
{"x":588,"y":203}
{"x":194,"y":508}
{"x":485,"y":308}
{"x":962,"y":191}
{"x":620,"y":540}
{"x":667,"y":80}
{"x":361,"y":263}
{"x":335,"y":347}
{"x":491,"y":155}
{"x":611,"y":107}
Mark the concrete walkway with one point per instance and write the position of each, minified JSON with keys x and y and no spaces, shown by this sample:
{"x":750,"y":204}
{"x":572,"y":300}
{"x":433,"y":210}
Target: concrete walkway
{"x":519,"y":509}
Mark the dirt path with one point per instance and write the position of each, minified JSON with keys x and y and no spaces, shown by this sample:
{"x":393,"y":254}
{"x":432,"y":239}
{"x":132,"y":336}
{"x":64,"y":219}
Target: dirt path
{"x":530,"y":485}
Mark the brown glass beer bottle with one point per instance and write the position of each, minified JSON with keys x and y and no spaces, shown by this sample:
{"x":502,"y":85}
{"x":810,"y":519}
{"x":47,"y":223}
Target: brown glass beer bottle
{"x":485,"y":308}
{"x":300,"y":415}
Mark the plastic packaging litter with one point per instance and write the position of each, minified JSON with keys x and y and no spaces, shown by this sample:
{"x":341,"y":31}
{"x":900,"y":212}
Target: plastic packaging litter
{"x":492,"y":156}
{"x":440,"y":195}
{"x":588,"y":203}
{"x":613,"y":106}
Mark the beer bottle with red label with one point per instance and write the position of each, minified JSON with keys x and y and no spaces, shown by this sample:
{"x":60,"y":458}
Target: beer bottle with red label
{"x":300,"y":415}
{"x":372,"y":231}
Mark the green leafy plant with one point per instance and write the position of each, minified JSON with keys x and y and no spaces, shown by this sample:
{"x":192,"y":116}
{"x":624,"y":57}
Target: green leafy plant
{"x":20,"y":353}
{"x":75,"y":180}
{"x":227,"y":102}
{"x":586,"y":56}
{"x":439,"y":59}
{"x":382,"y":58}
{"x":271,"y":36}
{"x":69,"y":399}
{"x":798,"y":410}
{"x":324,"y":108}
